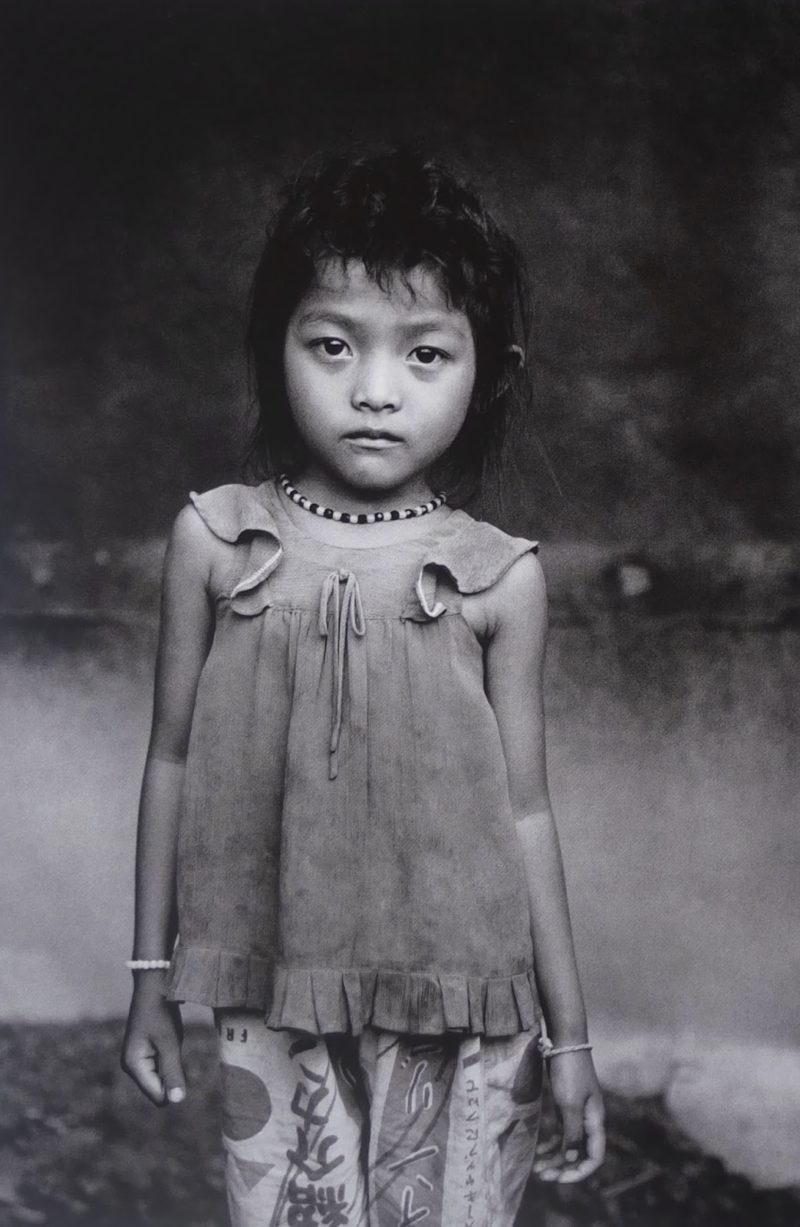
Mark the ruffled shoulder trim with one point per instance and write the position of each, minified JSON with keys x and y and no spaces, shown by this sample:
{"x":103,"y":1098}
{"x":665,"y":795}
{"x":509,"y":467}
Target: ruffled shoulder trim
{"x":327,"y":1000}
{"x":237,"y":514}
{"x":476,"y":554}
{"x":233,"y":510}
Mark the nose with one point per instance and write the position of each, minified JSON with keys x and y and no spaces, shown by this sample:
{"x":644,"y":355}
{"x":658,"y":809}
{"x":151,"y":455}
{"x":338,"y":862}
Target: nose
{"x":376,"y":386}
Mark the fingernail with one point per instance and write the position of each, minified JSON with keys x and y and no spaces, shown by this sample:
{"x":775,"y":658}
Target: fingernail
{"x":570,"y":1155}
{"x":176,"y":1095}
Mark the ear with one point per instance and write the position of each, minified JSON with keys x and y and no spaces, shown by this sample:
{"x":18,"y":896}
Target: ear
{"x":515,"y":360}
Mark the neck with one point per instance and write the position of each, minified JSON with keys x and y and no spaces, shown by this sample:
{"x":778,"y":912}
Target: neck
{"x":325,"y":488}
{"x":356,"y":525}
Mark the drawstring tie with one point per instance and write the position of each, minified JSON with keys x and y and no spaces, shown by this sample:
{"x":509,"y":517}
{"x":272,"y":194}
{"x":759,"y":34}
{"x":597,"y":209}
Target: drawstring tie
{"x":431,"y":611}
{"x":340,"y":611}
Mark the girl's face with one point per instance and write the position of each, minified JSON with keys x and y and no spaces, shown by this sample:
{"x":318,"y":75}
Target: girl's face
{"x":378,"y":381}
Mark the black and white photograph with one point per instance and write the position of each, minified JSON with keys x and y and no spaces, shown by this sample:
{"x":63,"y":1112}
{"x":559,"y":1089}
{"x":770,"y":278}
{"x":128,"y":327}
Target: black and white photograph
{"x":400,"y":613}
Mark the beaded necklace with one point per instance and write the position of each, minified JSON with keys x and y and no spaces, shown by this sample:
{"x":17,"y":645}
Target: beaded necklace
{"x":364,"y":517}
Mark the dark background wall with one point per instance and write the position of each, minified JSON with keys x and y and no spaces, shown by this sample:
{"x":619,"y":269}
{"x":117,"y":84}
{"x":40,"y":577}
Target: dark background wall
{"x":644,"y":152}
{"x":647,"y":155}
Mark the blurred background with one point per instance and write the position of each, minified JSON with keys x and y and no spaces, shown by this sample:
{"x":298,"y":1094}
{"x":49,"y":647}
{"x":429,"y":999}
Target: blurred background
{"x":646,"y":155}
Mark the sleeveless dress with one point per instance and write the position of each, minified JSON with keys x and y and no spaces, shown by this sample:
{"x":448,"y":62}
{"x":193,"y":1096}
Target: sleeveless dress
{"x":347,"y":852}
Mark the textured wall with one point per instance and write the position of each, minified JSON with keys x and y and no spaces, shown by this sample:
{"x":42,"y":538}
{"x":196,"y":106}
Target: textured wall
{"x":673,"y":770}
{"x":646,"y":154}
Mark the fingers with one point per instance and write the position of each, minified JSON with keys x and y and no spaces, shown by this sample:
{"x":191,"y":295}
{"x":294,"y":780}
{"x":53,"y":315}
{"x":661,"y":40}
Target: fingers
{"x":156,"y":1068}
{"x":172,"y":1074}
{"x":575,"y":1172}
{"x":595,"y":1130}
{"x":564,"y":1167}
{"x":140,"y":1061}
{"x":582,"y":1147}
{"x":571,"y":1132}
{"x":550,"y":1159}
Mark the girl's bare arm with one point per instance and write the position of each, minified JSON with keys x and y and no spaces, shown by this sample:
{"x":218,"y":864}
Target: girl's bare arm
{"x":517,"y":630}
{"x":151,"y":1050}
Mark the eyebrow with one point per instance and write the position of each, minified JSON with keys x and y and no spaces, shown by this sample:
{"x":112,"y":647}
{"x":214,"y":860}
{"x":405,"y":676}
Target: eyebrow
{"x":433,"y":323}
{"x":423,"y":323}
{"x":329,"y":317}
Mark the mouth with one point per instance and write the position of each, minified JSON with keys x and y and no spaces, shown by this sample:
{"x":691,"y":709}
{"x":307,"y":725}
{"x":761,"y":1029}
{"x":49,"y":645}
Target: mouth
{"x":372,"y":437}
{"x":373,"y":434}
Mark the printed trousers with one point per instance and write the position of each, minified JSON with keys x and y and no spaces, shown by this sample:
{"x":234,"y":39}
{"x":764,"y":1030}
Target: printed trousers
{"x":378,"y":1130}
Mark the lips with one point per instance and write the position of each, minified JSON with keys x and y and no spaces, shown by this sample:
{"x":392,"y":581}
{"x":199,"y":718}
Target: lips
{"x":373,"y":436}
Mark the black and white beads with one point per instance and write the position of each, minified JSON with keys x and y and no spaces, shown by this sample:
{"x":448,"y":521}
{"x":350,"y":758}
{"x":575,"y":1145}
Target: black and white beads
{"x":362,"y":517}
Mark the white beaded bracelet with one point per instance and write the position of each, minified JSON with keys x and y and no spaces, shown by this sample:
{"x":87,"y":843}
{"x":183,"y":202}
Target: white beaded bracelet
{"x":147,"y":964}
{"x":548,"y":1049}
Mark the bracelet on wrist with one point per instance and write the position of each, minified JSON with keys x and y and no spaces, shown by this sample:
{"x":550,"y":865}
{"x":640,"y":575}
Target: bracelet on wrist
{"x":548,"y":1049}
{"x":147,"y":964}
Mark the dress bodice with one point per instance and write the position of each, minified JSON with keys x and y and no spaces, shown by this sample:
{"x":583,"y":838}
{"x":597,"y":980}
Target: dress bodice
{"x":347,"y":850}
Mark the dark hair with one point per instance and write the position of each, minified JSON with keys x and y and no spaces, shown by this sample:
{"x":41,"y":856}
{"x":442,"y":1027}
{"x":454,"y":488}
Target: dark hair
{"x":393,"y":212}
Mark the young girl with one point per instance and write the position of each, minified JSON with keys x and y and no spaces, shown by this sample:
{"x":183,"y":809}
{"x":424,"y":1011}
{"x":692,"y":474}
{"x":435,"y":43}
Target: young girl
{"x":344,"y":813}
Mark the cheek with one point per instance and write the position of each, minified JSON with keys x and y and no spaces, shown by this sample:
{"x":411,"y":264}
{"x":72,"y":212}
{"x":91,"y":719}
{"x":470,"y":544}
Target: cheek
{"x":293,"y":374}
{"x":302,"y":391}
{"x":468,"y":379}
{"x":462,"y":398}
{"x":462,"y":393}
{"x":449,"y":422}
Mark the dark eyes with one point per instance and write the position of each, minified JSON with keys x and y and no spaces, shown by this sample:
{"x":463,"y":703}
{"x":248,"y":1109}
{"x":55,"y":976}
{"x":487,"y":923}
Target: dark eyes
{"x":427,"y":355}
{"x":332,"y":347}
{"x":422,"y":355}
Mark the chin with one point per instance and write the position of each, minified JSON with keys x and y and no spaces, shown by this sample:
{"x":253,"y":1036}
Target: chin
{"x":371,"y":479}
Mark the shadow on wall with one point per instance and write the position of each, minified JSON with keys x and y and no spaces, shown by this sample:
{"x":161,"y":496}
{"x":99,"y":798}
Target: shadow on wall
{"x":672,"y":752}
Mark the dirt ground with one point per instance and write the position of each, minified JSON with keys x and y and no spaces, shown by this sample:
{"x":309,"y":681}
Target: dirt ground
{"x":79,"y":1147}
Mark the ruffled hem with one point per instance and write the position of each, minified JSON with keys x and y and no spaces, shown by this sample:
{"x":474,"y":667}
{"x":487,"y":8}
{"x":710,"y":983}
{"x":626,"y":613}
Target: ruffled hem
{"x":323,"y":1000}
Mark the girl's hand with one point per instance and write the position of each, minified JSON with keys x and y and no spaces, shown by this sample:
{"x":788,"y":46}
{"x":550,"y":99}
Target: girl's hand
{"x":151,"y":1049}
{"x":579,"y":1103}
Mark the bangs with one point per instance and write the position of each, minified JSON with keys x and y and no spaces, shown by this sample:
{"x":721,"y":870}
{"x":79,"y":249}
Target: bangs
{"x":394,"y":214}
